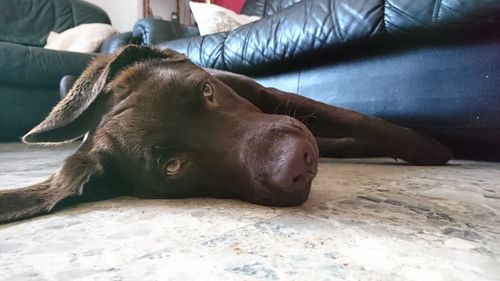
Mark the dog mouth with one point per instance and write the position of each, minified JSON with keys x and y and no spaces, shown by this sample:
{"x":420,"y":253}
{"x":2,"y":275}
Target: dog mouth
{"x":308,"y":175}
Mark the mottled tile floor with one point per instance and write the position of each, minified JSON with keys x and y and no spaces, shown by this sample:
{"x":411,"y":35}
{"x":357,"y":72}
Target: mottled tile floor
{"x":365,"y":220}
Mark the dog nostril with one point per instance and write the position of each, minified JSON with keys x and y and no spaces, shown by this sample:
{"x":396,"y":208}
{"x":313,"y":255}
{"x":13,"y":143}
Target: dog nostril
{"x":297,"y":179}
{"x":308,"y":158}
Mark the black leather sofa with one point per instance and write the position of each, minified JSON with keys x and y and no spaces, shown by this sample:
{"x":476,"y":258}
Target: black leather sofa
{"x":30,"y":74}
{"x":431,"y":65}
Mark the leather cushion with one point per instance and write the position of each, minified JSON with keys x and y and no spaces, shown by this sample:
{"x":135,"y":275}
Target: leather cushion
{"x":311,"y":27}
{"x":29,"y":22}
{"x":264,"y":8}
{"x":38,"y":66}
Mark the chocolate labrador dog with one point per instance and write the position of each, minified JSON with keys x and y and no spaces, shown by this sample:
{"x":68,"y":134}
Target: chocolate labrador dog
{"x":158,"y":126}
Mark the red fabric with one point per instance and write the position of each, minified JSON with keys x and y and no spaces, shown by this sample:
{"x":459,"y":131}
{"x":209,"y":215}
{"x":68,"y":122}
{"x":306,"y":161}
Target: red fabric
{"x":234,"y":5}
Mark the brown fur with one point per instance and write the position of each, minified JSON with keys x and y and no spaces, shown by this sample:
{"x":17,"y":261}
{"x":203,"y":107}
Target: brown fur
{"x":144,"y":109}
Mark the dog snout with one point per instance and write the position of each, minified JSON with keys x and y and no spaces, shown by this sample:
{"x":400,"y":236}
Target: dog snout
{"x":295,"y":165}
{"x":285,"y":125}
{"x":282,"y":158}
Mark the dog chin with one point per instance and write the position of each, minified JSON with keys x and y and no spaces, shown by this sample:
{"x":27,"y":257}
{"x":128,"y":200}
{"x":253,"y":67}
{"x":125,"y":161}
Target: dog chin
{"x":280,"y":198}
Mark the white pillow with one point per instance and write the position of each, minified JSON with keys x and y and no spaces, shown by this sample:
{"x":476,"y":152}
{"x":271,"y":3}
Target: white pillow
{"x":84,"y":38}
{"x":212,"y":18}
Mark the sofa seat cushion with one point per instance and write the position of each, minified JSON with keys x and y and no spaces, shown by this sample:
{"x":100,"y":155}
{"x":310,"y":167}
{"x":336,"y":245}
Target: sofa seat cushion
{"x":449,"y":91}
{"x":22,"y":107}
{"x":37,"y":66}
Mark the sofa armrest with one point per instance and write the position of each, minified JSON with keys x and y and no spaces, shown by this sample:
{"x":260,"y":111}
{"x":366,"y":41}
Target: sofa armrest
{"x":117,"y":41}
{"x":148,"y":31}
{"x":153,"y":31}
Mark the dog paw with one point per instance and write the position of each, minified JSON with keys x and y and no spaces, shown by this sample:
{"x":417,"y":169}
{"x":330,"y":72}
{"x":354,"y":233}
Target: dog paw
{"x":426,"y":151}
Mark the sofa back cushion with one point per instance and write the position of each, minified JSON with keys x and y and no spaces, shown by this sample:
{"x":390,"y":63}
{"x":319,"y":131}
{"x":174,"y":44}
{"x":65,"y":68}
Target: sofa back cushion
{"x":264,"y":8}
{"x":29,"y":22}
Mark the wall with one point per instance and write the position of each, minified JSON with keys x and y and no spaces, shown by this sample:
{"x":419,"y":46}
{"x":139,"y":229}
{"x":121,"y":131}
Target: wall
{"x":163,"y":8}
{"x":123,"y":13}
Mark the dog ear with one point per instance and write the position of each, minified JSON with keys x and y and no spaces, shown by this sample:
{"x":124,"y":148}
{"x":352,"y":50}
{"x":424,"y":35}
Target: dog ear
{"x":81,"y":178}
{"x":82,"y":108}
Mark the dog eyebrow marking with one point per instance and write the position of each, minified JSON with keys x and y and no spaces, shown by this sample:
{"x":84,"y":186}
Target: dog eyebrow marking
{"x":162,"y":148}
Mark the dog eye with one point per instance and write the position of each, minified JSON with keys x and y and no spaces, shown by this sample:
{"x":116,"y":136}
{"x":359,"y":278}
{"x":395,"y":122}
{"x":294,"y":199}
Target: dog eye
{"x":174,"y":167}
{"x":208,"y":91}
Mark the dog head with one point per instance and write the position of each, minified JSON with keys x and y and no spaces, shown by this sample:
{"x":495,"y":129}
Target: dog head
{"x":158,"y":126}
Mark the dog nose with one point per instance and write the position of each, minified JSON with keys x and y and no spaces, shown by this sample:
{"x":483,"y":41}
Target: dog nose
{"x":281,"y":158}
{"x":295,"y":166}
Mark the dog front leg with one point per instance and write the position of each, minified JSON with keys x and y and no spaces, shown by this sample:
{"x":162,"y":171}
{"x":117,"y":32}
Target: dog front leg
{"x":329,"y":121}
{"x":333,"y":122}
